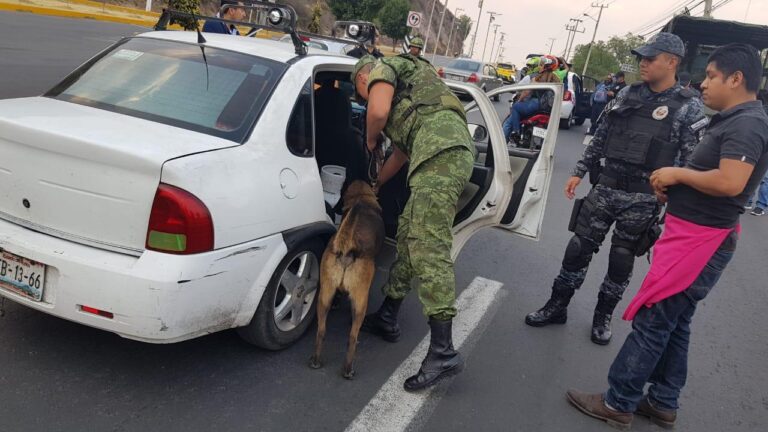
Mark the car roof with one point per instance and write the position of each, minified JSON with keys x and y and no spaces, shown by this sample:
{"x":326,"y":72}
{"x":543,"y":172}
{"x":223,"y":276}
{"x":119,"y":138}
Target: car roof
{"x":266,"y":48}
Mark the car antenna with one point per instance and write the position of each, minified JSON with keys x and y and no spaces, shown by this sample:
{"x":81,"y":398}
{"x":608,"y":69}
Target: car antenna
{"x":200,"y":42}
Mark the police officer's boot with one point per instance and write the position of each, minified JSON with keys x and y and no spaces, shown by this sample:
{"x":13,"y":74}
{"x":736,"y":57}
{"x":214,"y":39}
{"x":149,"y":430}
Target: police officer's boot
{"x":601,"y":322}
{"x":555,"y":311}
{"x":384,"y":321}
{"x":442,"y":360}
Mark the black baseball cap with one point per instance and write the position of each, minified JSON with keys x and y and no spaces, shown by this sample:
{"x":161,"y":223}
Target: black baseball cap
{"x":661,"y":43}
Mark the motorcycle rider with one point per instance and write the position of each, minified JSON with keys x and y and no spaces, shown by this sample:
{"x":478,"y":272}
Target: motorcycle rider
{"x":528,"y":102}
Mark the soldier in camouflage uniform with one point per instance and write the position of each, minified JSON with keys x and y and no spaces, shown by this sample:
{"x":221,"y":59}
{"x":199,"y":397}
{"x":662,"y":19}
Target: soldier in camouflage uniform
{"x":648,"y":125}
{"x":415,"y":46}
{"x":427,"y":125}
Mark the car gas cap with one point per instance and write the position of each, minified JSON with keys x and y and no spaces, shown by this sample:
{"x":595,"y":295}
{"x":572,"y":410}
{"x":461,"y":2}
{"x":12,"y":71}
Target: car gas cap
{"x":289,"y":183}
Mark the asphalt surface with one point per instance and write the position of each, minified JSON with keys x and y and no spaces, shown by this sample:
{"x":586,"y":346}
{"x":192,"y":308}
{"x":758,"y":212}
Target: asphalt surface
{"x":60,"y":376}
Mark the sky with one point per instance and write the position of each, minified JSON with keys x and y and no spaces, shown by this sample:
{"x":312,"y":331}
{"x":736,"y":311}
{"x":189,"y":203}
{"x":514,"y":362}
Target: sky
{"x":529,"y":24}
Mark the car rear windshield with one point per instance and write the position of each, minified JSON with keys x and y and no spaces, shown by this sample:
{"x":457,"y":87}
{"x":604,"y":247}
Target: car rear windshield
{"x":208,"y":90}
{"x":505,"y":65}
{"x":466,"y":65}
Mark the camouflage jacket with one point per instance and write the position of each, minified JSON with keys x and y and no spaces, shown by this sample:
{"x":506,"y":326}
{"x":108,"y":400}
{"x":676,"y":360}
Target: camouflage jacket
{"x":690,"y":114}
{"x":428,"y":130}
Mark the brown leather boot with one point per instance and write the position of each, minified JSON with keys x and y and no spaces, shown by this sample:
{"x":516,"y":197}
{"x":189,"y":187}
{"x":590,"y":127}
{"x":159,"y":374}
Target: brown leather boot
{"x":594,"y":406}
{"x":663,"y":418}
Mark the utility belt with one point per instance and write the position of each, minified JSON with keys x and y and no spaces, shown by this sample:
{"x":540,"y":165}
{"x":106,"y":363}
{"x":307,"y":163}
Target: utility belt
{"x":614,"y":180}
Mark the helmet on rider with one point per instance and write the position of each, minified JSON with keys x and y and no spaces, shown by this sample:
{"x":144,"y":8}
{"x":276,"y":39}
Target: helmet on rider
{"x":532,"y":65}
{"x":548,"y":63}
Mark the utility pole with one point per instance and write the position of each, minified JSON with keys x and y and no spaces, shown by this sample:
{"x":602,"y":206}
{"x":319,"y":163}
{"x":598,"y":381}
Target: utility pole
{"x":493,"y":44}
{"x":501,"y":46}
{"x":477,"y":27}
{"x":707,"y":8}
{"x":573,"y":29}
{"x":551,"y":42}
{"x":453,"y":27}
{"x":429,"y":26}
{"x":493,"y":16}
{"x":589,"y":53}
{"x":440,"y":29}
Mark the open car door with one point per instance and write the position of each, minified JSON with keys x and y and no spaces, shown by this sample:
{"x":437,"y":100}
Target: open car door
{"x":509,"y":184}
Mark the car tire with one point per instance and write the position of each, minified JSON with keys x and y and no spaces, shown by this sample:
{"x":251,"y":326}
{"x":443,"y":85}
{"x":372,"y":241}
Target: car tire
{"x":293,"y":289}
{"x":566,"y":124}
{"x":579,"y":121}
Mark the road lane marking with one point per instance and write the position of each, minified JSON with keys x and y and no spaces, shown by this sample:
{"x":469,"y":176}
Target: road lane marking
{"x":393,"y":409}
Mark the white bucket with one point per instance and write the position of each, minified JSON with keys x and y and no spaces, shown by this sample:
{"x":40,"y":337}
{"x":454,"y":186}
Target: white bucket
{"x":332,"y":177}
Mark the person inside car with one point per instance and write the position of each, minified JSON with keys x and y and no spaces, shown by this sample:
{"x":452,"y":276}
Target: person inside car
{"x":527,"y":101}
{"x":367,"y":48}
{"x":231,"y":13}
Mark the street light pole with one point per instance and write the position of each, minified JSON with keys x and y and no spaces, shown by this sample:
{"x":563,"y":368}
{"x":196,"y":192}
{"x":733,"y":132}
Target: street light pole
{"x":707,"y":8}
{"x":477,"y":27}
{"x":429,"y":26}
{"x":493,"y":16}
{"x":493,"y":44}
{"x":501,"y":46}
{"x":551,"y":43}
{"x":453,"y":27}
{"x":440,"y":29}
{"x":589,"y":53}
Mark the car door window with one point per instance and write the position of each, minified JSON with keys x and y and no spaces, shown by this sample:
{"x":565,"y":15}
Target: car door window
{"x":300,"y":136}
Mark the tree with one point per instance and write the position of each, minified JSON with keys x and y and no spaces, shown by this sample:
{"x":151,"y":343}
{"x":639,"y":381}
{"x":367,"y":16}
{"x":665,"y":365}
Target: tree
{"x":365,"y":10}
{"x":393,"y":18}
{"x":189,"y":6}
{"x":601,"y":63}
{"x":317,"y":15}
{"x":465,"y":27}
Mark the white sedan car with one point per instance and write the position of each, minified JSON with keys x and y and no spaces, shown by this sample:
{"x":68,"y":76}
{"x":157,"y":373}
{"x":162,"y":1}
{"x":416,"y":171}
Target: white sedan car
{"x":170,"y":188}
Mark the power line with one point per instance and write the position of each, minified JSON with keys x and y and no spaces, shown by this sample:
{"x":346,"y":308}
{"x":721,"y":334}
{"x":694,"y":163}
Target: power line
{"x":663,"y":17}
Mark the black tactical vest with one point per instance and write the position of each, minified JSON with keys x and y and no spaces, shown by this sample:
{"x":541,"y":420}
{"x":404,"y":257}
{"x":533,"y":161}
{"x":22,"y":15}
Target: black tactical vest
{"x":640,"y":130}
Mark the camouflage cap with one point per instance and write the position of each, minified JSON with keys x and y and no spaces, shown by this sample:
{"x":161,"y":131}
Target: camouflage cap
{"x":364,"y":60}
{"x":416,"y":42}
{"x":662,"y":42}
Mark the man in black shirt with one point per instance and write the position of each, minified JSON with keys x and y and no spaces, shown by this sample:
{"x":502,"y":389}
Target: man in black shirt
{"x":618,"y":84}
{"x":705,"y":200}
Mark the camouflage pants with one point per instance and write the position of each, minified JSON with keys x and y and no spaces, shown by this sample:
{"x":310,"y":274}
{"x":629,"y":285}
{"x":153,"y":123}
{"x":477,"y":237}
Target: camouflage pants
{"x":631,"y":212}
{"x":424,"y":237}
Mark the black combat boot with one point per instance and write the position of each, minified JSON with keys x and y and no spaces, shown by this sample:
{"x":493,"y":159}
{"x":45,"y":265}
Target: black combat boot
{"x":384,"y":321}
{"x":601,"y":323}
{"x":442,"y":360}
{"x":554,"y":312}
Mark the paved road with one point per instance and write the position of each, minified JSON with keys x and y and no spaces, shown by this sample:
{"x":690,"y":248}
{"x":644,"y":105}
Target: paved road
{"x":58,"y":376}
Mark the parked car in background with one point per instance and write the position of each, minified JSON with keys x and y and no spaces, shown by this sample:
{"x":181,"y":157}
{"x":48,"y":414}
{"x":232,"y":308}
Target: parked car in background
{"x":576,"y":107}
{"x":507,"y":72}
{"x":466,"y":70}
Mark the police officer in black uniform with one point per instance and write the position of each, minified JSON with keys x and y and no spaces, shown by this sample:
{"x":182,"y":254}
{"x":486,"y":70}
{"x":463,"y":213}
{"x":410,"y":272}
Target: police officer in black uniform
{"x":649,"y":125}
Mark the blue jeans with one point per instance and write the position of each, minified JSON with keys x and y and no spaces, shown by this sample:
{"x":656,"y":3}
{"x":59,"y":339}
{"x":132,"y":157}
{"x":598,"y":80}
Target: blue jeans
{"x":762,"y":194}
{"x":656,"y":351}
{"x":518,"y":111}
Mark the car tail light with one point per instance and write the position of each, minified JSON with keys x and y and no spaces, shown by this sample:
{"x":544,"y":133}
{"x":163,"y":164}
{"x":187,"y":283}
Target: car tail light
{"x":472,"y":78}
{"x":567,"y":96}
{"x":179,"y":223}
{"x":441,"y":72}
{"x":304,"y":38}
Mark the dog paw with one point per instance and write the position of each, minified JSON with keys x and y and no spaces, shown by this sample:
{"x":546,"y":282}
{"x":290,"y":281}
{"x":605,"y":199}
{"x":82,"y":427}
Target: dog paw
{"x":315,"y":363}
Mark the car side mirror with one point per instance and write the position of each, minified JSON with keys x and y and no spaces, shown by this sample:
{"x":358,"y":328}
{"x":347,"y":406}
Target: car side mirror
{"x":479,"y":133}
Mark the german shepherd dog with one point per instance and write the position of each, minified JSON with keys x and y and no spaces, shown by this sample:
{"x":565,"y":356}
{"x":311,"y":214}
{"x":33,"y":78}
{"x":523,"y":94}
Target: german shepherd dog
{"x":349,"y":265}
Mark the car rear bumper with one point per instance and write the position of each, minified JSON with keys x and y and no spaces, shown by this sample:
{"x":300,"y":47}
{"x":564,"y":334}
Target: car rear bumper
{"x":157,"y":298}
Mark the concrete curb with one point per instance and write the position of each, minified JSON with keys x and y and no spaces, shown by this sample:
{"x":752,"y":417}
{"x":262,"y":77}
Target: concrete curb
{"x":149,"y":22}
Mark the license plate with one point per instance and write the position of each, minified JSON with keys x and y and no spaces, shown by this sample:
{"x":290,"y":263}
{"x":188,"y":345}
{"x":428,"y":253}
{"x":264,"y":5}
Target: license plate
{"x":21,"y":275}
{"x":539,"y":132}
{"x":456,"y":77}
